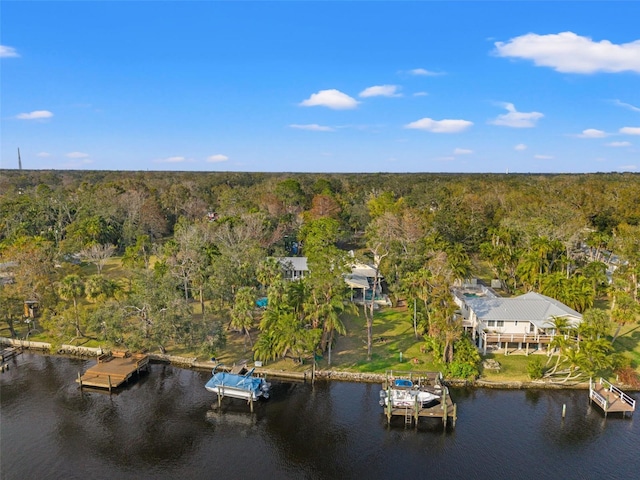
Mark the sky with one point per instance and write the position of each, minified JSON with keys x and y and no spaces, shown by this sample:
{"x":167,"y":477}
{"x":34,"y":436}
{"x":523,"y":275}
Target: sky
{"x":327,"y":86}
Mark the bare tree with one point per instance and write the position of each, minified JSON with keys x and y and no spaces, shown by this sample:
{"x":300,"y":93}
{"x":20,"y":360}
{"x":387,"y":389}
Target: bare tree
{"x":98,"y":255}
{"x":379,"y":252}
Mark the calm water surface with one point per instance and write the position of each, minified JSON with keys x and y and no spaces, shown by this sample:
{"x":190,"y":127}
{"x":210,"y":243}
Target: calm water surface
{"x":163,"y":426}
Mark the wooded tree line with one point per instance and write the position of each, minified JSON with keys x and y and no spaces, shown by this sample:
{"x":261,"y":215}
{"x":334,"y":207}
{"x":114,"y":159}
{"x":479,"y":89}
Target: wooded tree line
{"x":196,"y":250}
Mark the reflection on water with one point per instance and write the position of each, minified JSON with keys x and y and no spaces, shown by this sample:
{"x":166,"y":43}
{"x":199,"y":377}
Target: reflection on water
{"x":166,"y":425}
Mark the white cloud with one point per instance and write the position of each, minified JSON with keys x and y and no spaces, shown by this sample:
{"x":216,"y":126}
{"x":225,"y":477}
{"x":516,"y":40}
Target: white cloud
{"x":217,"y":158}
{"x":626,"y":105}
{"x":570,"y":53}
{"x":628,"y":167}
{"x":592,"y":133}
{"x":630,"y":130}
{"x":543,"y":157}
{"x":462,"y":151}
{"x":439,"y":126}
{"x":35,"y":115}
{"x":43,"y":154}
{"x":520,"y":147}
{"x":381,"y":91}
{"x":314,"y":127}
{"x":618,"y":144}
{"x":7,"y":52}
{"x":77,"y":155}
{"x":516,"y":119}
{"x":420,"y":94}
{"x":332,"y":98}
{"x":424,"y":73}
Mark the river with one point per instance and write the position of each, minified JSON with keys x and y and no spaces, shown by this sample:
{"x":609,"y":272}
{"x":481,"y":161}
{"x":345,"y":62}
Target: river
{"x":163,"y":426}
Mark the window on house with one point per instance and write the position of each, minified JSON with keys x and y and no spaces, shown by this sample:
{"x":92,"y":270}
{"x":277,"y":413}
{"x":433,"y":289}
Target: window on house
{"x":500,"y":323}
{"x":532,"y":329}
{"x":491,"y":323}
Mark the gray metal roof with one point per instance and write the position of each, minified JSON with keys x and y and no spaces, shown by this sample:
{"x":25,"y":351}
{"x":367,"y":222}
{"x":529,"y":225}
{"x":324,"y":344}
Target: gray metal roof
{"x":530,"y":307}
{"x":357,"y":281}
{"x":294,"y":263}
{"x":364,"y":270}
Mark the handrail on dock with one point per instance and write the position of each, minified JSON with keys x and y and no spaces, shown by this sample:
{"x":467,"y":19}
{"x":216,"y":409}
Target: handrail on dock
{"x":623,"y":396}
{"x":600,"y":400}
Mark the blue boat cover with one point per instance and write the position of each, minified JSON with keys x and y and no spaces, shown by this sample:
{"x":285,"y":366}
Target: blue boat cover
{"x":401,"y":382}
{"x":241,"y":382}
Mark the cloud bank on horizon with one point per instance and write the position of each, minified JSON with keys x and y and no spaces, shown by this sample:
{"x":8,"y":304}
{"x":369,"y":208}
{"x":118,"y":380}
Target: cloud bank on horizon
{"x":280,"y":96}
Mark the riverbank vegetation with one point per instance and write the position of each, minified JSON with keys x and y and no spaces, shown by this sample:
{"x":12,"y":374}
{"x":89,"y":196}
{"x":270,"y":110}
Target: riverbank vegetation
{"x":175,"y":262}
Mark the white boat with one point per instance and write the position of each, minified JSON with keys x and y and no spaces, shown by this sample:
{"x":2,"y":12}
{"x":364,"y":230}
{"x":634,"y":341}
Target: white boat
{"x":245,"y":386}
{"x":403,"y":393}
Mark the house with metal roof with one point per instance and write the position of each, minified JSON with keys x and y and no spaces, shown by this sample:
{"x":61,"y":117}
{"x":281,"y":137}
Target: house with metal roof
{"x":526,"y":321}
{"x":294,"y":268}
{"x":361,"y":280}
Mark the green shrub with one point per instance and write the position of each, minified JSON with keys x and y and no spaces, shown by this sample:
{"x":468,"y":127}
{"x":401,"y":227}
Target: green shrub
{"x":535,"y":369}
{"x":461,"y":370}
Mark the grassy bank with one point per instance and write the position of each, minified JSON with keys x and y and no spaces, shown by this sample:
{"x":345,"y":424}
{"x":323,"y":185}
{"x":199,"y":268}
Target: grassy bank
{"x":395,"y":347}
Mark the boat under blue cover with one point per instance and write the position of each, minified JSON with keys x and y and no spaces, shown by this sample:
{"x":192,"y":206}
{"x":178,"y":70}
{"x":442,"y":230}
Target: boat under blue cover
{"x":244,"y":386}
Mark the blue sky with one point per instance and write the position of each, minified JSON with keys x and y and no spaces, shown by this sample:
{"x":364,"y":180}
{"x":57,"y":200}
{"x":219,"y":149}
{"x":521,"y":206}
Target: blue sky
{"x":321,"y":86}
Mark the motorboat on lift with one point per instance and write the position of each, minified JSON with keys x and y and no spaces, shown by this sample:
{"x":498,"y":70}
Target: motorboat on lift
{"x":404,"y":393}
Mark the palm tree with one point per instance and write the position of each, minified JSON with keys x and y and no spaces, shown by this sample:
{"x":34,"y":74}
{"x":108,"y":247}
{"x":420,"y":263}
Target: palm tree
{"x":579,"y":294}
{"x":553,"y":285}
{"x":99,"y":287}
{"x":71,"y":288}
{"x":242,"y":311}
{"x":560,"y":342}
{"x":269,"y":271}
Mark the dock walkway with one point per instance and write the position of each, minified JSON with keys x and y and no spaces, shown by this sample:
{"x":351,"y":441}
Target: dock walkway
{"x":9,"y":352}
{"x":113,"y":370}
{"x":610,"y":398}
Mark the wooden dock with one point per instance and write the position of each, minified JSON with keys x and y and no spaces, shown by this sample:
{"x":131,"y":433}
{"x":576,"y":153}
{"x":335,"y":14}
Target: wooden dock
{"x":610,"y":398}
{"x":7,"y":354}
{"x":430,"y":382}
{"x":113,"y":370}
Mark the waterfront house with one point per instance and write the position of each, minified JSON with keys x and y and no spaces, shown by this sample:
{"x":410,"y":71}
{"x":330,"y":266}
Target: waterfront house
{"x":523,"y":322}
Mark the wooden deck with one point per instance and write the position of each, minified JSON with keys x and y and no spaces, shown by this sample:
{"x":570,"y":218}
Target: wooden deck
{"x":7,"y":354}
{"x":10,"y":352}
{"x":610,"y":398}
{"x":113,"y":370}
{"x":431,"y":382}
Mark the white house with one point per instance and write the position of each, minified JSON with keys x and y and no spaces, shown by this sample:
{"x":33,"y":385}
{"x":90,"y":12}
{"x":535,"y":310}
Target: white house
{"x":526,"y":320}
{"x":294,"y":268}
{"x":360,"y":280}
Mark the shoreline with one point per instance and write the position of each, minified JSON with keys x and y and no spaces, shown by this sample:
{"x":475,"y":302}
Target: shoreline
{"x":192,"y":363}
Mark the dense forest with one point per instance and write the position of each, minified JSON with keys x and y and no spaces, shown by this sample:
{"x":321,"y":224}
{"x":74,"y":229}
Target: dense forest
{"x":194,"y":251}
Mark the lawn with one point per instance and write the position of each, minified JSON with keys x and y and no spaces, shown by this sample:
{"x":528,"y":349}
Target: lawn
{"x":513,"y":368}
{"x":394,"y":345}
{"x":628,"y":343}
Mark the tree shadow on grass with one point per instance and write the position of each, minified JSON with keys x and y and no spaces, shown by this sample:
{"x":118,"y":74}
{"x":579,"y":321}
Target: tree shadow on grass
{"x":629,"y":343}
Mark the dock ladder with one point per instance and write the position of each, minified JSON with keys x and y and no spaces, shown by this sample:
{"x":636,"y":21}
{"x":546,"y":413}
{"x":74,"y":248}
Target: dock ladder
{"x":408,"y":416}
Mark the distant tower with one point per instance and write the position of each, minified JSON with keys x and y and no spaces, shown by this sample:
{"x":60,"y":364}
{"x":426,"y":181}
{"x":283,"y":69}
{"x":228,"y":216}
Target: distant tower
{"x":19,"y":160}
